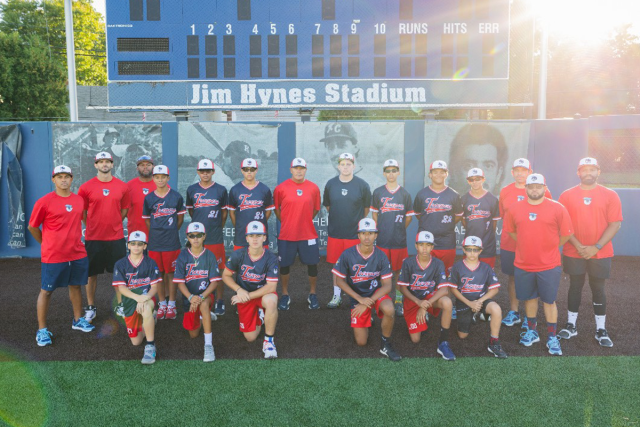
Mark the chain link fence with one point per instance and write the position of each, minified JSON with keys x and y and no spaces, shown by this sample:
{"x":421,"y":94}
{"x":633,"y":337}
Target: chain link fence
{"x":618,"y":153}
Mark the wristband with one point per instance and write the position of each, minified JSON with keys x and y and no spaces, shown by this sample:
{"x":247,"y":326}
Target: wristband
{"x":599,"y":246}
{"x":190,"y":296}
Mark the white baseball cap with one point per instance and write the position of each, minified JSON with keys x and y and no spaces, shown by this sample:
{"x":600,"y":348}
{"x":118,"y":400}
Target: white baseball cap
{"x":255,"y":227}
{"x":206,"y":164}
{"x":475,"y":172}
{"x":425,"y":237}
{"x":138,"y":236}
{"x":249,"y":163}
{"x":438,"y":164}
{"x":103,"y":155}
{"x":61,"y":169}
{"x":472,"y":241}
{"x":367,"y":224}
{"x":588,"y":161}
{"x":521,"y":163}
{"x":390,"y":163}
{"x":346,"y":156}
{"x":196,"y":227}
{"x":160,"y":170}
{"x":535,"y":178}
{"x":298,"y":162}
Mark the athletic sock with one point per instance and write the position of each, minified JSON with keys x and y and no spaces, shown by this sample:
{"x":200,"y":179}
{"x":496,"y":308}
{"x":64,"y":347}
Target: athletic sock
{"x":444,"y":335}
{"x":572,"y":317}
{"x":493,"y":340}
{"x":268,"y":338}
{"x":207,"y":338}
{"x":551,"y":329}
{"x":532,"y":322}
{"x":163,"y":302}
{"x":600,"y":321}
{"x":386,"y":340}
{"x":337,"y":292}
{"x":153,"y":343}
{"x":172,"y":303}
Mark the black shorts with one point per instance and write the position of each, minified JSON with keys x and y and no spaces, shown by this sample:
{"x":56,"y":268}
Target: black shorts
{"x":599,"y":268}
{"x":309,"y":253}
{"x":103,"y":254}
{"x":464,"y":315}
{"x":507,"y":259}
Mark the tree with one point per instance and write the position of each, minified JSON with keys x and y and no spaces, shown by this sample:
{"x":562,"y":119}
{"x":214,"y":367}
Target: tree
{"x":32,"y":85}
{"x":45,"y":20}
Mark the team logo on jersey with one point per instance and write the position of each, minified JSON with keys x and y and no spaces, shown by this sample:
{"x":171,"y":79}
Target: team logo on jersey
{"x":470,"y":288}
{"x":433,"y":207}
{"x":201,"y":202}
{"x":299,"y":192}
{"x":359,"y":275}
{"x":423,"y":285}
{"x":477,"y":213}
{"x":133,"y":282}
{"x":245,"y":203}
{"x":532,"y":216}
{"x":193,"y":274}
{"x":105,"y":192}
{"x":344,"y":191}
{"x":587,"y":200}
{"x":145,"y":191}
{"x":69,"y":208}
{"x":203,"y":286}
{"x":160,"y":211}
{"x":248,"y":276}
{"x":520,"y":198}
{"x":388,"y":206}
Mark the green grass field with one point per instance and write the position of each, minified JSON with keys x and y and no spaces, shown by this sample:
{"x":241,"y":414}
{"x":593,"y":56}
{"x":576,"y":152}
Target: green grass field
{"x":567,"y":391}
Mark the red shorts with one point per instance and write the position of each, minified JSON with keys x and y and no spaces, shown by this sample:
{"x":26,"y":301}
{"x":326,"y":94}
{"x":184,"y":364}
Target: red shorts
{"x":411,"y":315}
{"x":335,"y":247}
{"x":235,"y":248}
{"x":191,"y":319}
{"x":134,"y":324}
{"x":396,"y":256}
{"x":447,"y":256}
{"x":166,"y":260}
{"x":491,"y":261}
{"x":364,"y":321}
{"x":218,"y":251}
{"x":248,"y":314}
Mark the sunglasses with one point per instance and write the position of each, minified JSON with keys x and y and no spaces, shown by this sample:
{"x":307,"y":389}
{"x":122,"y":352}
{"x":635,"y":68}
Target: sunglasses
{"x":474,"y":179}
{"x":137,"y":243}
{"x":472,"y":250}
{"x":195,"y":235}
{"x":249,"y":169}
{"x":392,"y":171}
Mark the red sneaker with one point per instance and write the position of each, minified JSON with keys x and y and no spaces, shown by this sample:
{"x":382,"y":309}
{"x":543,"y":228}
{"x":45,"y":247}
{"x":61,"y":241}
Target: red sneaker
{"x":162,"y":312}
{"x":171,"y":312}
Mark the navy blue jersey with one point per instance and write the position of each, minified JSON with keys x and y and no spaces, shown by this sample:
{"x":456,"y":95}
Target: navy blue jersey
{"x":249,"y":204}
{"x":197,"y":272}
{"x":163,"y":214}
{"x":363,"y":275}
{"x":437,"y":212}
{"x":392,"y":207}
{"x":207,"y":205}
{"x":252,"y":274}
{"x":347,"y":201}
{"x":422,"y":280}
{"x":479,"y":215}
{"x":473,"y":284}
{"x":137,"y":278}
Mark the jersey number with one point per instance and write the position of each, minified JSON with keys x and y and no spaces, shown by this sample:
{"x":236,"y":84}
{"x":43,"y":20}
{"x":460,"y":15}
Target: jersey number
{"x":213,"y":214}
{"x":399,"y":218}
{"x":259,"y":215}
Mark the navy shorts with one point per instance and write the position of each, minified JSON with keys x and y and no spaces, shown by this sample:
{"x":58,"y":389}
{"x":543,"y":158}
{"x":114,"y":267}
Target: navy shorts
{"x":506,"y":262}
{"x":464,"y":315}
{"x":103,"y":254}
{"x":287,"y":249}
{"x":599,"y":268}
{"x":62,"y":274}
{"x":539,"y":284}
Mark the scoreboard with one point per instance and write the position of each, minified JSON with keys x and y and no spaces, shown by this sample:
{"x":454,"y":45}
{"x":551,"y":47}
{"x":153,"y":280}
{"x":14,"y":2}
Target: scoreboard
{"x":278,"y":54}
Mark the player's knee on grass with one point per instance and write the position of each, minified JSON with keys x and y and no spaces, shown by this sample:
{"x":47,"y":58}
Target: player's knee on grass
{"x":194,"y":333}
{"x":138,"y":340}
{"x":252,"y":336}
{"x":462,"y":335}
{"x":415,"y":338}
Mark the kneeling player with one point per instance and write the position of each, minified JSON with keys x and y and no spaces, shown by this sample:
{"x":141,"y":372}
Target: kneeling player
{"x":136,"y":277}
{"x":252,"y":273}
{"x":419,"y":282}
{"x":196,"y":274}
{"x":474,"y":283}
{"x":364,"y":273}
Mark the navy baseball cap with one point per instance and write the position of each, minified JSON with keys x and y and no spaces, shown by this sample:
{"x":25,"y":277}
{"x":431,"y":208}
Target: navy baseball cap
{"x":144,"y":158}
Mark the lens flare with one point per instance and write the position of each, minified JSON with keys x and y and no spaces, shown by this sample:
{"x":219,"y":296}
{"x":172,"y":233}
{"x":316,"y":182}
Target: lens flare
{"x":109,"y":328}
{"x":461,"y":74}
{"x":497,"y":49}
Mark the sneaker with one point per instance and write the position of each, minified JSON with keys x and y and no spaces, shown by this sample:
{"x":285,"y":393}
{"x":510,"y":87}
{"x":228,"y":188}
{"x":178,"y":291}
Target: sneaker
{"x":553,"y":344}
{"x":445,"y":351}
{"x":399,"y":309}
{"x":149,"y":354}
{"x":155,"y":317}
{"x":335,"y":302}
{"x":388,"y":351}
{"x":171,"y":312}
{"x":82,"y":325}
{"x":261,"y":316}
{"x":512,"y":318}
{"x":162,"y":312}
{"x":603,"y":338}
{"x":529,"y":337}
{"x":313,"y":302}
{"x":525,"y":324}
{"x":568,"y":332}
{"x":119,"y":310}
{"x":214,"y":316}
{"x":220,"y":309}
{"x":209,"y":355}
{"x":269,"y":350}
{"x":90,"y":312}
{"x":497,"y":351}
{"x":454,"y":315}
{"x":43,"y":337}
{"x":284,"y":303}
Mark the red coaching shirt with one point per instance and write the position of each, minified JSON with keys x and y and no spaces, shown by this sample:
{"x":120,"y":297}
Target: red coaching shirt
{"x":509,"y":195}
{"x":297,"y":203}
{"x":61,"y":220}
{"x":538,"y":229}
{"x":591,"y":211}
{"x":103,"y":202}
{"x":137,"y":191}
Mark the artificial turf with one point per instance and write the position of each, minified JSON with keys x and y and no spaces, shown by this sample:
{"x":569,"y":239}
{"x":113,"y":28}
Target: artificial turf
{"x":563,"y":391}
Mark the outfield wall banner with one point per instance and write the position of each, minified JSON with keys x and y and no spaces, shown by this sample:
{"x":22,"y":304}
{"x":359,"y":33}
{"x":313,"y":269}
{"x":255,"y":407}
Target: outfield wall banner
{"x":76,"y":146}
{"x":11,"y":147}
{"x":227,"y":146}
{"x":320,"y":144}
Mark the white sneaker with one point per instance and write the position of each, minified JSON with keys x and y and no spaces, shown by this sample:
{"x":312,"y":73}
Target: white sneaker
{"x":90,"y":313}
{"x":149,"y":357}
{"x":335,"y":302}
{"x":269,"y":350}
{"x":209,"y":355}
